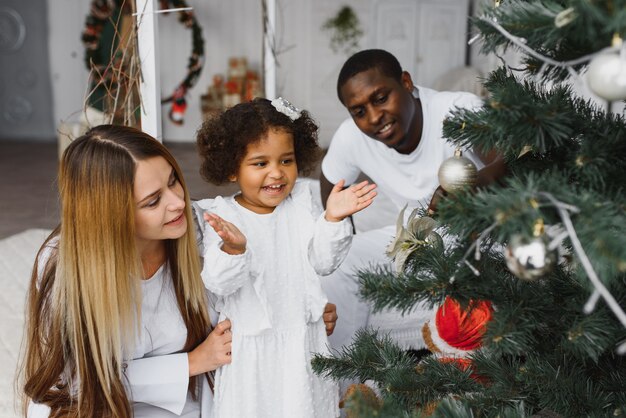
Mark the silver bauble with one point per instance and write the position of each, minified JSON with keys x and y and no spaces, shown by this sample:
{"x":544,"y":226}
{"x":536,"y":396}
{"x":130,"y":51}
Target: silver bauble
{"x":606,"y":76}
{"x":529,"y":258}
{"x":457,"y":173}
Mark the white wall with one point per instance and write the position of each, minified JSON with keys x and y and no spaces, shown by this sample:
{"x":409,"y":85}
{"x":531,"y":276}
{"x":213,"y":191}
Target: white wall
{"x":306,"y":75}
{"x":308,"y":71}
{"x":68,"y":72}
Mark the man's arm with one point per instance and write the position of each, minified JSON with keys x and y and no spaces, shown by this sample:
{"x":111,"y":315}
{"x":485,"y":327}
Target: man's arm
{"x":494,"y":169}
{"x":325,"y":189}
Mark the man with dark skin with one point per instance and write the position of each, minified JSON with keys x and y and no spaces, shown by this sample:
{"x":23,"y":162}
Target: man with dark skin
{"x":394,"y":137}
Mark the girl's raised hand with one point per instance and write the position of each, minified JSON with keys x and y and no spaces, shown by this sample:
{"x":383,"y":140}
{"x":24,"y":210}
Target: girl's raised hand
{"x":343,"y":203}
{"x":213,"y":352}
{"x":234,"y":240}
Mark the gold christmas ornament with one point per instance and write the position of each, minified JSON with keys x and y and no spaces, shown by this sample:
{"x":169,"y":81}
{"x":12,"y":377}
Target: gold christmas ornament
{"x":457,"y":173}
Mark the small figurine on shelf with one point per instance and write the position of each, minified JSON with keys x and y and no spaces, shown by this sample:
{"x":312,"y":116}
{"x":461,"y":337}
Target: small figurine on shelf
{"x":213,"y":101}
{"x":252,"y":86}
{"x":237,"y":67}
{"x":232,"y":95}
{"x":241,"y":85}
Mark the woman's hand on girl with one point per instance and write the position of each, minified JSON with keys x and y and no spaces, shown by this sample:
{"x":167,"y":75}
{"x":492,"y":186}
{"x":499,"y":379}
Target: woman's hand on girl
{"x":213,"y":352}
{"x":344,"y":202}
{"x":234,"y":240}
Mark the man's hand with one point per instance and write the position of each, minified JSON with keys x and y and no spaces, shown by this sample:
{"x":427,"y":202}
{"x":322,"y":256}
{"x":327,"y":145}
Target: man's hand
{"x":344,"y":202}
{"x":330,"y":317}
{"x":438,"y":196}
{"x":234,"y":240}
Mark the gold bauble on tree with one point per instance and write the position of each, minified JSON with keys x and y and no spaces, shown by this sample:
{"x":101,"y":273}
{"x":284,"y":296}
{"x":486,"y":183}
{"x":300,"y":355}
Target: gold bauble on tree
{"x":457,"y":172}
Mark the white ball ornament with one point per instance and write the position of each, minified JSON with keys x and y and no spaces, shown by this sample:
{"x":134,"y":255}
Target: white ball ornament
{"x":457,"y":173}
{"x":606,"y":76}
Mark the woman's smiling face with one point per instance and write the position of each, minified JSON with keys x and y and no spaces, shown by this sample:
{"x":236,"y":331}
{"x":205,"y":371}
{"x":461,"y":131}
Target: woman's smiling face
{"x":160,"y":201}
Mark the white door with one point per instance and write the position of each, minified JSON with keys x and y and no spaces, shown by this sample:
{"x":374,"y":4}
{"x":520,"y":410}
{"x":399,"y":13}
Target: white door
{"x":429,"y":37}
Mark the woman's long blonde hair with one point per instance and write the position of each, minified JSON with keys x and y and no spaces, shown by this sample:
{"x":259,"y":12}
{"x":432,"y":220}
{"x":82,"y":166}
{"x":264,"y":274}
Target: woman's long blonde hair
{"x":84,"y":308}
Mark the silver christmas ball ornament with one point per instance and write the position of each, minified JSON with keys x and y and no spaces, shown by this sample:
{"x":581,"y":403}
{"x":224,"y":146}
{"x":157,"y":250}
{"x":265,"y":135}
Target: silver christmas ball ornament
{"x":529,"y":258}
{"x":606,"y":76}
{"x":457,"y":172}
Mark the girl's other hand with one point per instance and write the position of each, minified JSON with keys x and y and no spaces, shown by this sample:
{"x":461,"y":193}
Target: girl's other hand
{"x":234,"y":240}
{"x":343,"y":203}
{"x":213,"y":352}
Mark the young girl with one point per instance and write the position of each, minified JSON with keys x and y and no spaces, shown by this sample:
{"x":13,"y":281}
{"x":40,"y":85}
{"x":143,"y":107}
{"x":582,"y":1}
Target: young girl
{"x":263,"y":271}
{"x":118,"y":320}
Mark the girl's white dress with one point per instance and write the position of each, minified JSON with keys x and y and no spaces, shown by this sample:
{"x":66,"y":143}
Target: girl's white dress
{"x":273,"y":297}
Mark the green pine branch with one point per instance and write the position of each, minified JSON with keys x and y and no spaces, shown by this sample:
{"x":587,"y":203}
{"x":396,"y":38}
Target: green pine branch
{"x":590,"y":29}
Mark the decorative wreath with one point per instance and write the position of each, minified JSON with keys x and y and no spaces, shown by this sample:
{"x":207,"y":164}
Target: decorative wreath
{"x":101,"y":14}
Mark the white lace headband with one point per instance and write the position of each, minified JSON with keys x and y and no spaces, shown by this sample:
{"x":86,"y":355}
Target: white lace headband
{"x":286,"y":108}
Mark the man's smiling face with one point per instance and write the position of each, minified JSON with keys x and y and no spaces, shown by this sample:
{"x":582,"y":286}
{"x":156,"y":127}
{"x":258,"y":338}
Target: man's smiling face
{"x":383,"y":108}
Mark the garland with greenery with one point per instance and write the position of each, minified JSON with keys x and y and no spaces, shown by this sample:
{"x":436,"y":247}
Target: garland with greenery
{"x":100,"y":39}
{"x":194,"y":65}
{"x":102,"y":56}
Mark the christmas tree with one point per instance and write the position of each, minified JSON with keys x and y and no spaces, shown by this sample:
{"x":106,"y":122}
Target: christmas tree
{"x":537,"y":262}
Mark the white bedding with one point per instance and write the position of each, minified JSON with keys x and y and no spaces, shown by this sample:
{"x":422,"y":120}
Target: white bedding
{"x":17,"y":255}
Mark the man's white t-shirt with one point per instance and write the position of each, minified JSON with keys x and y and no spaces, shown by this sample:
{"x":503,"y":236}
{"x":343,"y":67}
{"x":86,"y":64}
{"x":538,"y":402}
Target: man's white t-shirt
{"x":406,"y":179}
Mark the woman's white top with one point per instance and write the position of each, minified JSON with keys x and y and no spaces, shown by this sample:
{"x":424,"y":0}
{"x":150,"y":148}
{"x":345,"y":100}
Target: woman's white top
{"x":157,"y":376}
{"x":273,"y":297}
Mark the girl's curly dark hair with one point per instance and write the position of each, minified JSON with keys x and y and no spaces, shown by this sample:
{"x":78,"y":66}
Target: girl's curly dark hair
{"x":223,"y":139}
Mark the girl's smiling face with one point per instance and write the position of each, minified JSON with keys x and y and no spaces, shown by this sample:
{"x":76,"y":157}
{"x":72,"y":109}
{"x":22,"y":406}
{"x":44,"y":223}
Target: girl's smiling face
{"x":268,"y":172}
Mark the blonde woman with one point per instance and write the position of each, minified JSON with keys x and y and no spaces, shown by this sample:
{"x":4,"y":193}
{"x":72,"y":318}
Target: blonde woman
{"x":118,"y":318}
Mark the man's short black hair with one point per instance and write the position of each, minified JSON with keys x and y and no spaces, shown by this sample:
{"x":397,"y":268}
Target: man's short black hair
{"x":365,"y":60}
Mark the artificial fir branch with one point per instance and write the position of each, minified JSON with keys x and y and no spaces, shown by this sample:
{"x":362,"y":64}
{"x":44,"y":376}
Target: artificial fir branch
{"x":369,"y":357}
{"x":591,"y":28}
{"x":562,"y":130}
{"x":385,"y":289}
{"x":597,"y":224}
{"x":425,"y":280}
{"x":550,"y":121}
